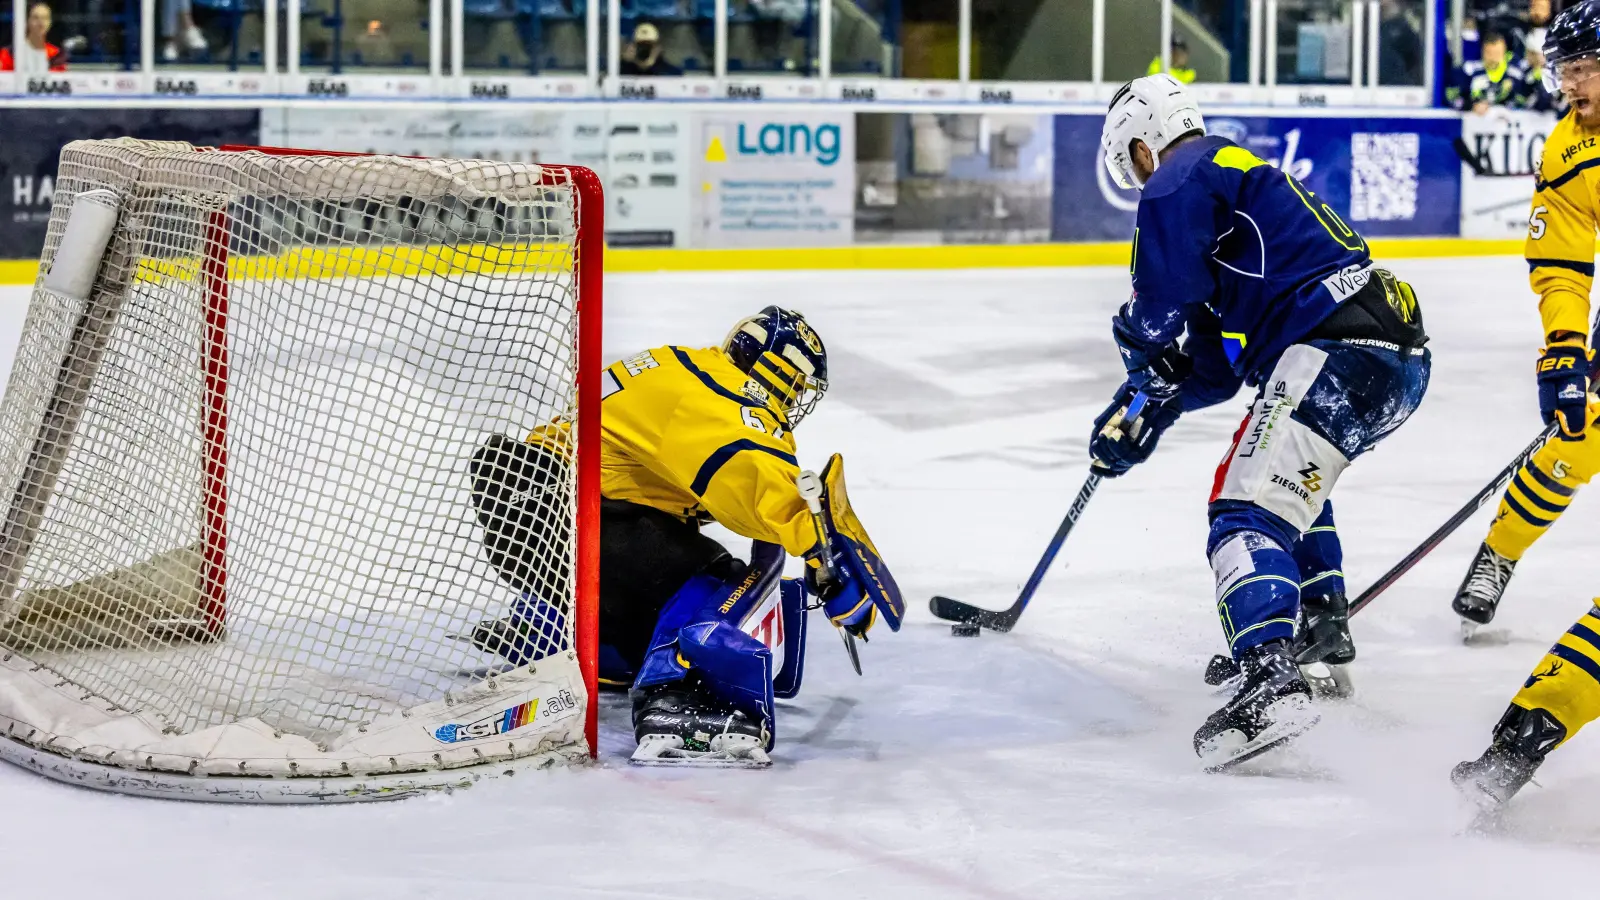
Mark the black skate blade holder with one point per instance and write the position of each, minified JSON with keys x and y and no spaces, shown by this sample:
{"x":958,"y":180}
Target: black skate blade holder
{"x":810,"y":487}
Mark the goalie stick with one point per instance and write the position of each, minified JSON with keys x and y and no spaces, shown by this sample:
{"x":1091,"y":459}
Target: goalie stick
{"x":952,"y":610}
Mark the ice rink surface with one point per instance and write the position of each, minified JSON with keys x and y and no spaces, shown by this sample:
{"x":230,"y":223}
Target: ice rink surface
{"x":1052,"y":762}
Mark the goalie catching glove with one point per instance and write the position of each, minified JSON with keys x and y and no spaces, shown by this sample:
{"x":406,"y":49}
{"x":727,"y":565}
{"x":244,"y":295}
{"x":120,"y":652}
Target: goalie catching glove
{"x":855,"y":586}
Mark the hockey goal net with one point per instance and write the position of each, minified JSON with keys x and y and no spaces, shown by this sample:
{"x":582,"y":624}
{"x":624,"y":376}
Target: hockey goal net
{"x":240,"y":555}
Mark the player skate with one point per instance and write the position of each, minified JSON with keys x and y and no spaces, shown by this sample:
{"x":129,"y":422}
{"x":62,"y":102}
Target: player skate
{"x":1482,"y":589}
{"x":687,"y":724}
{"x":1522,"y":739}
{"x":1323,"y":647}
{"x":1336,"y":348}
{"x":1271,"y":707}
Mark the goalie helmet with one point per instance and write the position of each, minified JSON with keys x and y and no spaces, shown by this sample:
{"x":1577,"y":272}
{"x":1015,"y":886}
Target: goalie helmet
{"x":781,"y":353}
{"x":1572,"y":36}
{"x":1155,"y":109}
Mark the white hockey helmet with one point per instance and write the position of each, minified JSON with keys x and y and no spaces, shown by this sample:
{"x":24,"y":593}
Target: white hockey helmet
{"x":1155,"y":109}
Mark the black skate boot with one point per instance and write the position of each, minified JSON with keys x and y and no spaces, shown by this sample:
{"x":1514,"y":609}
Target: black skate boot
{"x":1324,"y":634}
{"x":1481,"y":590}
{"x":685,"y":724}
{"x":1522,"y":739}
{"x":1323,"y":647}
{"x":1272,"y":706}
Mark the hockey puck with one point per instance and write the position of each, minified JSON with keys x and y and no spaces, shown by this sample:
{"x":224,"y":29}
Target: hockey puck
{"x":965,"y":629}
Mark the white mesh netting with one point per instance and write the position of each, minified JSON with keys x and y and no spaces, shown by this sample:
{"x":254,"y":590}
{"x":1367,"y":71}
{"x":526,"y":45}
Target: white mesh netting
{"x":240,"y":538}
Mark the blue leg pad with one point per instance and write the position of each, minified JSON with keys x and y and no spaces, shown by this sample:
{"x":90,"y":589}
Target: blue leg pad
{"x":700,"y":630}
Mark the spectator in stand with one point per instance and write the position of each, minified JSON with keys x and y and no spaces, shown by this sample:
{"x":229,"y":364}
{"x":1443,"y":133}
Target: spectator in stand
{"x":38,"y":54}
{"x":1180,"y":62}
{"x":1529,"y":27}
{"x":181,"y":35}
{"x":1496,"y":80}
{"x":1400,"y":55}
{"x":643,"y":55}
{"x":1540,"y":97}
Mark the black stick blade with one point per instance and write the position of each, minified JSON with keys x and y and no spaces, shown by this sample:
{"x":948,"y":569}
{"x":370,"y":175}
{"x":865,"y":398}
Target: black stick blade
{"x":952,"y":610}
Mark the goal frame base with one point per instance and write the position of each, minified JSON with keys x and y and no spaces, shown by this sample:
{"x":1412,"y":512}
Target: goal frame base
{"x":270,"y":790}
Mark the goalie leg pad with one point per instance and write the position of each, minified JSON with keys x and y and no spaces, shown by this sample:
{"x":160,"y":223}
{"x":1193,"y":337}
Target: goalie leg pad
{"x":700,"y":631}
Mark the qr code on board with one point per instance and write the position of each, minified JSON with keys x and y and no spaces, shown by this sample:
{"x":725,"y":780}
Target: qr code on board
{"x":1383,"y":176}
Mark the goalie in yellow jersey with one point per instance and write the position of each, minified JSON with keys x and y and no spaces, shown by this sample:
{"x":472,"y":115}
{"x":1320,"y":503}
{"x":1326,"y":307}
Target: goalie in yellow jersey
{"x":1562,"y":694}
{"x":706,"y":641}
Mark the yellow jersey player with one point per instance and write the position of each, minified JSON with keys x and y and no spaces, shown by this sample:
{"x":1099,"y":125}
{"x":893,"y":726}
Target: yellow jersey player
{"x":1560,"y":251}
{"x":706,"y":641}
{"x":1562,"y":694}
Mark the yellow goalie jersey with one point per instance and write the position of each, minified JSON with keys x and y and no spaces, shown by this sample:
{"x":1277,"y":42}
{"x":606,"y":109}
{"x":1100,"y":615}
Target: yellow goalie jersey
{"x":1561,"y":228}
{"x":684,"y":431}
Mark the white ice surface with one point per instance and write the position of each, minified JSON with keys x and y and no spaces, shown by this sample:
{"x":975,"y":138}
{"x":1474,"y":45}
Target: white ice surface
{"x":1051,"y":762}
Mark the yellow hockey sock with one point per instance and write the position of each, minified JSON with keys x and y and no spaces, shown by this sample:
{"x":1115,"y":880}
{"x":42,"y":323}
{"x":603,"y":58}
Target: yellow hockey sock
{"x":1566,"y":683}
{"x":1538,"y":494}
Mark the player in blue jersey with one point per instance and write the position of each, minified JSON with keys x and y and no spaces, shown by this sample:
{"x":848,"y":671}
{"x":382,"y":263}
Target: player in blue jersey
{"x":1242,"y":275}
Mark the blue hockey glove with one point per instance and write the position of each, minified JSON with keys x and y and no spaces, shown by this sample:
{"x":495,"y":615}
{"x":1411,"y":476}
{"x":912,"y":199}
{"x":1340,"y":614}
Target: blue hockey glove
{"x":846,"y":603}
{"x":1564,"y":389}
{"x":1158,"y":370}
{"x":1116,"y":450}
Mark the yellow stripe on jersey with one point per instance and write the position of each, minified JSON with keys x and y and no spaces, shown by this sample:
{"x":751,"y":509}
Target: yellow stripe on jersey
{"x":1561,"y":227}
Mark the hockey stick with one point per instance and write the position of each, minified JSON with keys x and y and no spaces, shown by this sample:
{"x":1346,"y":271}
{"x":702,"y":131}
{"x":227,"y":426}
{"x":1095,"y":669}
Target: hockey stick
{"x":955,"y":611}
{"x":1489,"y":491}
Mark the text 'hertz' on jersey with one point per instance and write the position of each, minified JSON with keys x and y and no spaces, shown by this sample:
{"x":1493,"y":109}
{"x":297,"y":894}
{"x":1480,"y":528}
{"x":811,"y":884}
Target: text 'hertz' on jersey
{"x":1561,"y":227}
{"x":684,"y":431}
{"x":1220,"y":228}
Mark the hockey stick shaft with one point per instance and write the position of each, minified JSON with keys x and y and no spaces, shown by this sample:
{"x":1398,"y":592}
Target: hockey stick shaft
{"x":1489,"y":491}
{"x":956,"y":611}
{"x":1075,"y":512}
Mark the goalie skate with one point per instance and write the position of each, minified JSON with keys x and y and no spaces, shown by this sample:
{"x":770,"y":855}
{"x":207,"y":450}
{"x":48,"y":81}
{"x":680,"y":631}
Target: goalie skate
{"x":724,"y":751}
{"x":685,"y":725}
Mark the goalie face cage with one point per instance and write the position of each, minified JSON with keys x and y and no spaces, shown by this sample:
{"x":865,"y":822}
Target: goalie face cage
{"x":240,"y":550}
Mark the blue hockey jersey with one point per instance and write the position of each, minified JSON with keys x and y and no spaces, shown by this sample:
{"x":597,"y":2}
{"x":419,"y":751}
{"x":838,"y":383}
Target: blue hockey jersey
{"x":1239,"y":255}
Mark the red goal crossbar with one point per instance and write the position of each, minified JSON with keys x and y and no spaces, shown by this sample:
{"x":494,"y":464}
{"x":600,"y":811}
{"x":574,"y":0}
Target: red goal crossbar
{"x":588,"y":277}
